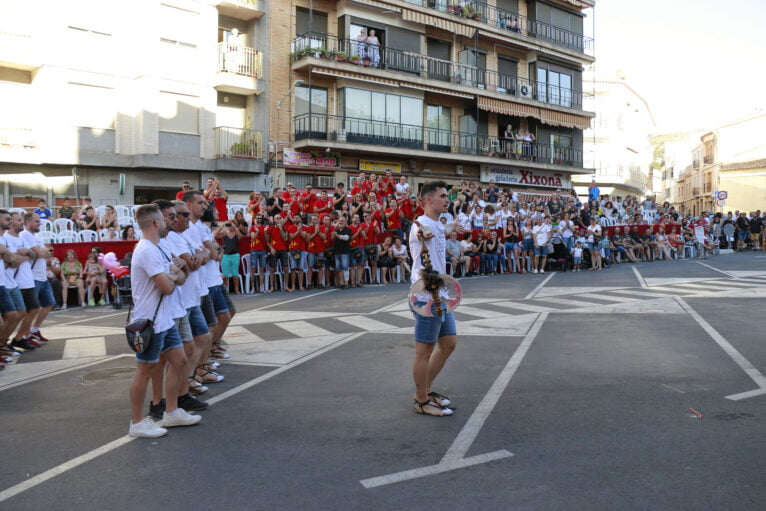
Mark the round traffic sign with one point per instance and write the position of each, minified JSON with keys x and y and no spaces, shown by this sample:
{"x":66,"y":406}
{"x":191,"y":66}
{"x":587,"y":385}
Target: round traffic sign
{"x":723,"y":195}
{"x":720,"y":203}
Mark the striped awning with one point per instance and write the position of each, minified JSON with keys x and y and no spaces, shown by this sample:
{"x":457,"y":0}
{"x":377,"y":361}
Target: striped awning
{"x":354,"y":76}
{"x":437,"y":90}
{"x":553,"y":118}
{"x":508,"y":108}
{"x":438,"y":22}
{"x":375,"y":3}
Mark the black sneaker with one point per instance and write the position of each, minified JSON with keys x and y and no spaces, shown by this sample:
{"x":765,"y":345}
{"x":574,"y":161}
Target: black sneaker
{"x":24,"y":344}
{"x":191,"y":403}
{"x":156,"y":411}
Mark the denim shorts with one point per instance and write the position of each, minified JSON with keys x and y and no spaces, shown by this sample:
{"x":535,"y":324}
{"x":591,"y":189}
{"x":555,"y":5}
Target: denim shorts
{"x":16,"y":298}
{"x":298,"y":264}
{"x":541,"y":251}
{"x":161,"y":342}
{"x":229,"y":303}
{"x":258,"y":259}
{"x":197,"y":321}
{"x":577,"y":260}
{"x":184,"y":329}
{"x":6,"y":303}
{"x":358,"y":261}
{"x":311,"y":259}
{"x":528,"y":245}
{"x":30,"y":298}
{"x":208,"y":311}
{"x":429,"y":330}
{"x":741,"y":235}
{"x":509,"y":247}
{"x":219,"y":301}
{"x":44,"y":293}
{"x":342,"y":261}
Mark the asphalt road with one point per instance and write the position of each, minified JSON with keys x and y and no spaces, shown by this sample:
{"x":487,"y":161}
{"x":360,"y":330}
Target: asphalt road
{"x":574,"y":391}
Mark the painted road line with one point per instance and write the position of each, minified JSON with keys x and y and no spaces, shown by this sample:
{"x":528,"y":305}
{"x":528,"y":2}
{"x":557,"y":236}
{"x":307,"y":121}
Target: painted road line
{"x":743,"y":283}
{"x":595,"y":296}
{"x":481,"y":313}
{"x":671,"y":290}
{"x":29,"y":372}
{"x":91,"y":318}
{"x":639,"y":277}
{"x":539,"y":287}
{"x":645,"y":294}
{"x":730,"y":350}
{"x":716,"y":269}
{"x":106,"y":448}
{"x":293,"y":300}
{"x":369,"y":324}
{"x":570,"y":303}
{"x":524,"y":306}
{"x":303,"y":329}
{"x":84,"y":348}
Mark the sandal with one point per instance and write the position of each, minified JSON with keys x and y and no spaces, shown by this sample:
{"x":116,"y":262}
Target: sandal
{"x":441,"y":400}
{"x":440,"y":411}
{"x":196,"y":387}
{"x":207,"y":376}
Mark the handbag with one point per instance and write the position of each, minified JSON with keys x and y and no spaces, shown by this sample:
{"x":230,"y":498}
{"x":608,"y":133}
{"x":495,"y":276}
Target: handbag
{"x":371,"y":249}
{"x":140,"y":332}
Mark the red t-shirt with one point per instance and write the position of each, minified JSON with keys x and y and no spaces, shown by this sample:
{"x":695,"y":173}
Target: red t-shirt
{"x":259,"y":243}
{"x":355,"y":242}
{"x":313,"y":245}
{"x":308,"y":202}
{"x":327,"y":230}
{"x":394,"y":221}
{"x":389,"y":186}
{"x":321,"y":207}
{"x":285,"y":196}
{"x":220,"y":205}
{"x":369,"y":229}
{"x":254,"y":207}
{"x":277,"y":241}
{"x":406,"y":208}
{"x":180,"y":195}
{"x":297,"y":242}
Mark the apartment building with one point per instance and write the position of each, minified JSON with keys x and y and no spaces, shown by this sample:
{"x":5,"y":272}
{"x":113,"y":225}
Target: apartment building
{"x":429,"y":89}
{"x":135,"y":98}
{"x":618,"y":145}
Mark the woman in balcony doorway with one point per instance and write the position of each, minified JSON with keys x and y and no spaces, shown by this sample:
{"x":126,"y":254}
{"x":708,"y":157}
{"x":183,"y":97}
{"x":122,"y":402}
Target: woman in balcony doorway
{"x":361,"y":44}
{"x":373,"y":48}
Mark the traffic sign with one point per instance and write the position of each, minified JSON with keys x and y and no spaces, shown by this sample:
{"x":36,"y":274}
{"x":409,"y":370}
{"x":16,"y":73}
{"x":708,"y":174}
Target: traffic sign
{"x":722,"y":195}
{"x":720,"y":203}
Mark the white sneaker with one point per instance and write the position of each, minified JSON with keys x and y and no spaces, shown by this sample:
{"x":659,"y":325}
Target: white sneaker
{"x":542,"y":271}
{"x":147,"y":429}
{"x":179,"y":417}
{"x":534,"y":270}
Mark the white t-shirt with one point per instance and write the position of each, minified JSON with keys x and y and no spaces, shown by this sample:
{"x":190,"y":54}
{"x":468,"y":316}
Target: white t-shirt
{"x":565,"y":228}
{"x":38,"y":267}
{"x":190,"y":289}
{"x":4,"y":271}
{"x":577,"y":252}
{"x":593,"y":230}
{"x":192,"y":235}
{"x":23,"y":274}
{"x":211,"y":275}
{"x":403,"y":189}
{"x":147,"y":262}
{"x":542,"y":234}
{"x":464,"y":221}
{"x":177,"y":310}
{"x":437,"y":247}
{"x":477,"y":219}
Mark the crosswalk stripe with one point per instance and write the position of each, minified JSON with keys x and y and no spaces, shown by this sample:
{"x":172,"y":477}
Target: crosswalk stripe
{"x":369,"y":324}
{"x":481,"y":313}
{"x":621,"y":299}
{"x":673,"y":290}
{"x":644,"y":294}
{"x":86,"y":347}
{"x":741,"y":283}
{"x":697,"y":287}
{"x":572,"y":303}
{"x":523,"y":306}
{"x":303,"y":329}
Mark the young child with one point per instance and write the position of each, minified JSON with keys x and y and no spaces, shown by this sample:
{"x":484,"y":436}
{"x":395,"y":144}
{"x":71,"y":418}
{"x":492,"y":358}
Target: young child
{"x":577,"y":253}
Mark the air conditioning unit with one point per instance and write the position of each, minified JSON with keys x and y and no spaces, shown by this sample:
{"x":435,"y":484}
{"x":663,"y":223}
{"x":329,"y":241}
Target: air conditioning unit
{"x":525,"y":91}
{"x":325,"y":181}
{"x":459,"y":170}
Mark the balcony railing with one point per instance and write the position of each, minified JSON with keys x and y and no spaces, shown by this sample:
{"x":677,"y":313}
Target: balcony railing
{"x":414,"y":64}
{"x":510,"y":21}
{"x":241,"y":60}
{"x":406,"y":136}
{"x":238,"y":143}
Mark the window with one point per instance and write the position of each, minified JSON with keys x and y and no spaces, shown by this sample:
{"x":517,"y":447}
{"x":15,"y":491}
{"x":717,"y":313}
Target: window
{"x":439,"y":124}
{"x":559,"y":25}
{"x":554,"y":87}
{"x":383,"y":119}
{"x":310,"y":112}
{"x":316,"y":24}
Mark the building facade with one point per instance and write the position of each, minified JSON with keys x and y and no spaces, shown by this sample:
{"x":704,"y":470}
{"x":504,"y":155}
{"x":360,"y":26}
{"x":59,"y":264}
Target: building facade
{"x":618,"y":145}
{"x":130,"y":105}
{"x":428,"y":89}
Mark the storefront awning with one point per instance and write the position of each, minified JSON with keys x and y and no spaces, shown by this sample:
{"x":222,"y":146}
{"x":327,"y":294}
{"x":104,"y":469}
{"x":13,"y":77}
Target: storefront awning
{"x":375,"y":3}
{"x":508,"y":108}
{"x":437,"y":90}
{"x":438,"y":22}
{"x":553,"y":118}
{"x":354,"y":76}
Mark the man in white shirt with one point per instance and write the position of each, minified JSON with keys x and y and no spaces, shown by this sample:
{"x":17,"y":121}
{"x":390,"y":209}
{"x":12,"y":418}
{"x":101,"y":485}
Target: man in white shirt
{"x":402,"y":188}
{"x":8,"y":307}
{"x":153,"y":279}
{"x":43,"y":288}
{"x":25,"y":281}
{"x":439,"y":331}
{"x":542,"y":234}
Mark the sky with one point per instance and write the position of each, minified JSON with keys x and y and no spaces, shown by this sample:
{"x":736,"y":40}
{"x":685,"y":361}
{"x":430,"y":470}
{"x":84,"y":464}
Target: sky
{"x":697,"y":63}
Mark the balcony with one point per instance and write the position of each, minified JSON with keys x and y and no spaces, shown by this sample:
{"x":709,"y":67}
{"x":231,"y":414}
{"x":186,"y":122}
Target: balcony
{"x":511,"y":22}
{"x":239,"y":69}
{"x":20,"y":51}
{"x":238,"y":143}
{"x":414,"y":65}
{"x":244,"y":10}
{"x":409,"y":140}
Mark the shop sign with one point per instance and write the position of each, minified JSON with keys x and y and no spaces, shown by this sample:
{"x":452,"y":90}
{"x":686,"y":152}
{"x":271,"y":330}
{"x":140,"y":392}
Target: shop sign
{"x":504,"y":175}
{"x":310,"y":158}
{"x":379,"y":166}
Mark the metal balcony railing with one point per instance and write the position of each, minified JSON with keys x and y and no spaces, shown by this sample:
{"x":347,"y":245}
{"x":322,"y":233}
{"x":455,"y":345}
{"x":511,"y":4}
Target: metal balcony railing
{"x":241,"y":60}
{"x":406,"y":136}
{"x":350,"y":51}
{"x":238,"y":143}
{"x":510,"y":21}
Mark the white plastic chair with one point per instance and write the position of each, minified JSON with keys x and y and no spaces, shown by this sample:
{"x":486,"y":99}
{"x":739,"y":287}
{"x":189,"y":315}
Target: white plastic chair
{"x":122,"y":221}
{"x":244,"y":265}
{"x":46,"y":225}
{"x":102,"y":234}
{"x":63,"y":224}
{"x":100,"y":210}
{"x":20,"y":211}
{"x":88,"y":236}
{"x":68,"y":237}
{"x":122,"y":211}
{"x":47,"y":237}
{"x":232,"y":209}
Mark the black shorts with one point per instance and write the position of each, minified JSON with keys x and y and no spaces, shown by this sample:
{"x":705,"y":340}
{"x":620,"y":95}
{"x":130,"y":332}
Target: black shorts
{"x":232,"y":309}
{"x":280,"y":256}
{"x":208,"y":311}
{"x":30,"y":298}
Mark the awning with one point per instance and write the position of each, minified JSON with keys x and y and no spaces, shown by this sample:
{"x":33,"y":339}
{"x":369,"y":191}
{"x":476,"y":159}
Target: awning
{"x":553,"y":118}
{"x":375,"y":3}
{"x":438,"y":22}
{"x":437,"y":90}
{"x":354,"y":76}
{"x":508,"y":108}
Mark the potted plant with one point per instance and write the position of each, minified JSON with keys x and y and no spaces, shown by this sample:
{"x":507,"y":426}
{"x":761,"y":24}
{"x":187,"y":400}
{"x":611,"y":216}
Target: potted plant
{"x":450,"y":9}
{"x":241,"y":149}
{"x":355,"y":59}
{"x":340,"y":56}
{"x":367,"y":61}
{"x":467,"y":12}
{"x":324,"y":53}
{"x":477,"y":16}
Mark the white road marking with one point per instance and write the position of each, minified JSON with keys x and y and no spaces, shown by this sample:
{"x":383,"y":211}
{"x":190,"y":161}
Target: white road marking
{"x":91,"y":318}
{"x":636,"y":292}
{"x":539,"y":287}
{"x":106,"y":448}
{"x":639,"y":277}
{"x":303,"y":329}
{"x":369,"y":324}
{"x":21,"y":374}
{"x":671,"y":387}
{"x":571,"y":303}
{"x":481,"y":313}
{"x":240,"y":335}
{"x":86,"y":347}
{"x":622,"y":299}
{"x":730,"y":350}
{"x":293,"y":300}
{"x":524,"y":306}
{"x":716,"y":269}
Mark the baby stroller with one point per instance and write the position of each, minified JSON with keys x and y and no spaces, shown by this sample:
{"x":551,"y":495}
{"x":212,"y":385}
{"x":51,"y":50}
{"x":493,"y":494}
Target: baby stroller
{"x":121,"y":288}
{"x":559,"y":256}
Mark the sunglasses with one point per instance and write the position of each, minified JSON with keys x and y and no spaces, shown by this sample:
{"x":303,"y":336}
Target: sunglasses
{"x":185,"y":215}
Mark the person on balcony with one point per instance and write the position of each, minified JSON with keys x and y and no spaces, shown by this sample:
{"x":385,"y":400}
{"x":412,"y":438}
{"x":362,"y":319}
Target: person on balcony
{"x":233,"y":51}
{"x":373,"y":49}
{"x":361,"y":44}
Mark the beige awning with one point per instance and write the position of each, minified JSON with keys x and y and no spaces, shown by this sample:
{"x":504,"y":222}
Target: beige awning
{"x":354,"y":76}
{"x":438,"y":22}
{"x":553,"y":118}
{"x":508,"y":108}
{"x":437,"y":90}
{"x":375,"y":3}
